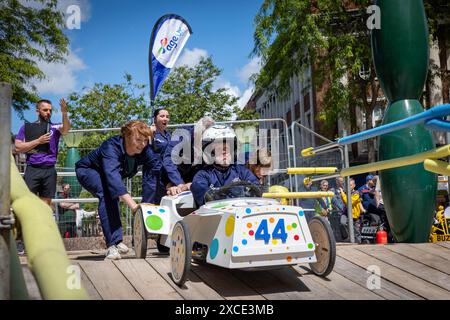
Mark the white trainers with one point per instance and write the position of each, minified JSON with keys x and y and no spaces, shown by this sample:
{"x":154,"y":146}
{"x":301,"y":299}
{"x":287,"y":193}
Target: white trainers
{"x":113,"y":253}
{"x":123,"y":249}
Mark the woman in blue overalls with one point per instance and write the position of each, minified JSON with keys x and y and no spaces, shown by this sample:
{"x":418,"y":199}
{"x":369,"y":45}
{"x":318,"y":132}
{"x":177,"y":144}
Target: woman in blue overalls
{"x":101,"y":173}
{"x":156,"y":176}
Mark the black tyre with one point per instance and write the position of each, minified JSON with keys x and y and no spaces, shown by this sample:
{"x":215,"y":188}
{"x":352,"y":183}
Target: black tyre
{"x":325,"y":246}
{"x":180,"y":253}
{"x":139,"y":235}
{"x":162,"y":248}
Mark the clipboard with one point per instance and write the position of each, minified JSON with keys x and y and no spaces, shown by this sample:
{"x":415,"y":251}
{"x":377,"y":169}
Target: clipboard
{"x":33,"y":130}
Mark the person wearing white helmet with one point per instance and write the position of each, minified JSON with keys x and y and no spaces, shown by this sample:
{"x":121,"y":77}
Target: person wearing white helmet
{"x":218,"y":143}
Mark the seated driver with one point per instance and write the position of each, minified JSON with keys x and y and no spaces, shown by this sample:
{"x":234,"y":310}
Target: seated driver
{"x":218,"y":144}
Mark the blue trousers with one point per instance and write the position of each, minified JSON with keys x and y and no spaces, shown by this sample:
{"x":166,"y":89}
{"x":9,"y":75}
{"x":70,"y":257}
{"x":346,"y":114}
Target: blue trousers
{"x":153,"y":187}
{"x":108,"y":208}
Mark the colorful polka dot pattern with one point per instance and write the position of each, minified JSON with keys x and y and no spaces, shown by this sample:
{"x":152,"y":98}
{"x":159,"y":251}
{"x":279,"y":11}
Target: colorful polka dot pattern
{"x":229,"y":226}
{"x":250,"y":227}
{"x":214,"y":249}
{"x":154,"y":222}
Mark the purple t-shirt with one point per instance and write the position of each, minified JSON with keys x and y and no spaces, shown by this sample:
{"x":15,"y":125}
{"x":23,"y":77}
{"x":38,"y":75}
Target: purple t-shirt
{"x":44,"y":159}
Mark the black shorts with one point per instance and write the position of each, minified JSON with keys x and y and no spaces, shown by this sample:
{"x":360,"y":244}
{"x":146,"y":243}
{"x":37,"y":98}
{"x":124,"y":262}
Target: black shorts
{"x":41,"y":180}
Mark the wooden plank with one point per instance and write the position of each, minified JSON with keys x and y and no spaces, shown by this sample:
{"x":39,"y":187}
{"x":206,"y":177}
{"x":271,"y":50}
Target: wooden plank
{"x":108,"y":280}
{"x":444,"y":244}
{"x":432,"y":249}
{"x":225,"y":282}
{"x":416,"y":268}
{"x":284,"y":284}
{"x":147,"y":282}
{"x":395,"y":275}
{"x":193,"y":289}
{"x":265,"y":283}
{"x":87,"y":284}
{"x":341,"y":285}
{"x":33,"y":290}
{"x":388,"y":290}
{"x":429,"y":259}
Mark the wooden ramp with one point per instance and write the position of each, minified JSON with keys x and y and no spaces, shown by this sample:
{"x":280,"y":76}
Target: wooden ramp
{"x":408,"y":271}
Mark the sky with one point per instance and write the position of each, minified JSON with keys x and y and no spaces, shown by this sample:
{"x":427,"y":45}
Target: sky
{"x":114,"y":38}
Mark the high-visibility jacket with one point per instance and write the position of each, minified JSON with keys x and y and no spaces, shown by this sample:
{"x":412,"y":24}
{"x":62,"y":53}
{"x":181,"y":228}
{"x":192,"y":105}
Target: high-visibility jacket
{"x":356,"y":203}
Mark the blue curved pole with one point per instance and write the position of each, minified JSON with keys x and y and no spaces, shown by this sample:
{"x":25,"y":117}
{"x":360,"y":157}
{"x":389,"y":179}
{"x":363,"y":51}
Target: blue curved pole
{"x":432,"y":119}
{"x":436,"y":112}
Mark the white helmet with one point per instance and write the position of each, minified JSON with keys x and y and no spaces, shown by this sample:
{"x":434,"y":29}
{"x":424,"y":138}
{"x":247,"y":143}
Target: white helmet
{"x":216,"y":133}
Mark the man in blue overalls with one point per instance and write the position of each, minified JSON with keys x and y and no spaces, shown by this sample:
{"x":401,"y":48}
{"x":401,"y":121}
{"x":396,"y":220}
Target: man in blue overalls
{"x":218,"y":142}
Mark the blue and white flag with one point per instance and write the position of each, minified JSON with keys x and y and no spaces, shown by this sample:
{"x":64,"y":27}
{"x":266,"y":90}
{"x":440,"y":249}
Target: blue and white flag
{"x":169,"y":36}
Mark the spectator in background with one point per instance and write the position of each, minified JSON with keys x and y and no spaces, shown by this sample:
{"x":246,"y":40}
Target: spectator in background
{"x":357,"y":209}
{"x":378,"y":197}
{"x":308,"y":204}
{"x":367,"y":193}
{"x":339,"y":209}
{"x":325,"y":203}
{"x":40,"y":174}
{"x":338,"y":203}
{"x":66,"y":213}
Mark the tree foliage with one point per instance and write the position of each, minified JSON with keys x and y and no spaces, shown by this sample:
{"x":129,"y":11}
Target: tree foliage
{"x":189,"y":94}
{"x":330,"y":36}
{"x":107,"y":106}
{"x":438,"y":14}
{"x":291,"y":35}
{"x":29,"y":34}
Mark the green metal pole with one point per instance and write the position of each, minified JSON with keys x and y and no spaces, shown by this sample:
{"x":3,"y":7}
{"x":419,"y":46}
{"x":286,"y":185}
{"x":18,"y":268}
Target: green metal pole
{"x":401,"y":54}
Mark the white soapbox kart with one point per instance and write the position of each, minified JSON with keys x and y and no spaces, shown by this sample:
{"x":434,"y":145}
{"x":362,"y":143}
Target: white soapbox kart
{"x":236,"y":228}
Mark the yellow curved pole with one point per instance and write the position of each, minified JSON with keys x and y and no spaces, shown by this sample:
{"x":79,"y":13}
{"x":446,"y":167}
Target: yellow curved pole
{"x":395,"y":163}
{"x":313,"y":170}
{"x":437,"y":166}
{"x":46,"y":254}
{"x":308,"y":152}
{"x":297,"y":195}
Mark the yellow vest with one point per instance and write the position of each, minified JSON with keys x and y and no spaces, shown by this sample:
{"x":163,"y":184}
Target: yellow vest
{"x":356,"y":204}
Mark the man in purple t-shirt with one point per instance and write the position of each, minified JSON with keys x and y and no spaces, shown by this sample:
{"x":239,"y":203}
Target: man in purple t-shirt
{"x":40,"y":174}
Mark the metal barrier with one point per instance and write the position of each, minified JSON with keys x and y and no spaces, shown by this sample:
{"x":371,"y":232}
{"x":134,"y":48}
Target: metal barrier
{"x":306,"y":162}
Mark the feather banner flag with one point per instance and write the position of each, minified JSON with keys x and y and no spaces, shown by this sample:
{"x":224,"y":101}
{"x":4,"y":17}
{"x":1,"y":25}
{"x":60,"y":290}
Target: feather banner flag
{"x":169,"y":35}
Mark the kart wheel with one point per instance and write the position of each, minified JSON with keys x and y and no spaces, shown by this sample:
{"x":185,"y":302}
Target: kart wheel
{"x":325,"y":246}
{"x":139,"y":235}
{"x":180,"y":253}
{"x":162,"y":248}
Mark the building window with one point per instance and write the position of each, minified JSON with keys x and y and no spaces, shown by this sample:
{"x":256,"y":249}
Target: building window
{"x":289,"y":118}
{"x":297,"y":110}
{"x":306,"y":102}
